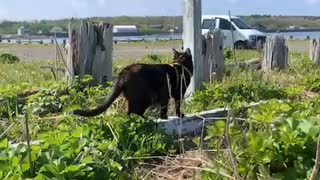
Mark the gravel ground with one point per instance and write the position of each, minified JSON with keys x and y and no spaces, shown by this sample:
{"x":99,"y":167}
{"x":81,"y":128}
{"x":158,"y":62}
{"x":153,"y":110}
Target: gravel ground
{"x":36,"y":52}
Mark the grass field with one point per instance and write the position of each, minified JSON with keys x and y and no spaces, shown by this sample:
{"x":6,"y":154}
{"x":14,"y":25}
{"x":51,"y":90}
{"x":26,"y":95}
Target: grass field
{"x":26,"y":72}
{"x":122,"y":51}
{"x":277,"y":139}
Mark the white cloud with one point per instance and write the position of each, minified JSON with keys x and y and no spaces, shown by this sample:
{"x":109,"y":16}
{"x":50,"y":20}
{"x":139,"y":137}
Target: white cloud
{"x":312,"y":2}
{"x":227,"y":1}
{"x":4,"y":13}
{"x":79,"y":7}
{"x":102,"y":2}
{"x":233,"y":1}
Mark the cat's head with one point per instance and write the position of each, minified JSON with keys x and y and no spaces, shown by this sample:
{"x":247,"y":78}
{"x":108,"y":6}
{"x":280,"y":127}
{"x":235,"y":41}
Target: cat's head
{"x":182,"y":57}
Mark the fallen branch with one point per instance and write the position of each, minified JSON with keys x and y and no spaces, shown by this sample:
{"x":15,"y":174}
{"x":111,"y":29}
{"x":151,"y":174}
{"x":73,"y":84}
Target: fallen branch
{"x":252,"y":64}
{"x":19,"y":101}
{"x":228,"y":142}
{"x":53,"y":68}
{"x":28,"y":93}
{"x":191,"y":123}
{"x":28,"y":140}
{"x":315,"y":171}
{"x":37,"y":142}
{"x":195,"y":122}
{"x":7,"y":130}
{"x":21,"y":98}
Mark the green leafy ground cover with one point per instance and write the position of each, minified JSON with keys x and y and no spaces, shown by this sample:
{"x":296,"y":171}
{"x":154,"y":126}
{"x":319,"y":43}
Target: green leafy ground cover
{"x":276,"y":139}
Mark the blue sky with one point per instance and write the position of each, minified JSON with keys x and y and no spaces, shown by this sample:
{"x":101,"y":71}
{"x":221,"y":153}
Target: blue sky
{"x":53,"y":9}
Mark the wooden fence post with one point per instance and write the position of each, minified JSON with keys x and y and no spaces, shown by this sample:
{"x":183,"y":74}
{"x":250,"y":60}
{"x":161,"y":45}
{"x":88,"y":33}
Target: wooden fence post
{"x":275,"y":54}
{"x":259,"y":46}
{"x":90,"y":52}
{"x":315,"y":50}
{"x":207,"y":57}
{"x":218,"y":56}
{"x":71,"y":54}
{"x":102,"y":64}
{"x":312,"y":48}
{"x":213,"y":56}
{"x":192,"y":39}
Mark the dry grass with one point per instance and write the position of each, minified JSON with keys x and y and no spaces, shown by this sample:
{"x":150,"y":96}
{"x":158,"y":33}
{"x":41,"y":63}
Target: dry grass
{"x":182,"y":167}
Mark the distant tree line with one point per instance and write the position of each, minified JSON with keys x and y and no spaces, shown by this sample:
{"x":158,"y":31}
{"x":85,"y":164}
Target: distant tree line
{"x":146,"y":25}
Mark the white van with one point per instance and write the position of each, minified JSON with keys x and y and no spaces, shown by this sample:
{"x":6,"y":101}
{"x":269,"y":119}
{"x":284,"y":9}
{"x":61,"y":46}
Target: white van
{"x":245,"y":37}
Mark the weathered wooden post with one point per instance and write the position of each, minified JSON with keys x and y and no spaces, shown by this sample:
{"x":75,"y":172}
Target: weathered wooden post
{"x":213,"y":56}
{"x":192,"y":39}
{"x":102,"y":64}
{"x":313,"y":46}
{"x":207,"y":57}
{"x":275,"y":54}
{"x":90,"y":52}
{"x":259,"y":46}
{"x":218,"y":55}
{"x":71,"y":54}
{"x":315,"y":50}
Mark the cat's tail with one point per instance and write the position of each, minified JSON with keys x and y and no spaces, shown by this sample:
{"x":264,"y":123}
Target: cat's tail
{"x":116,"y":91}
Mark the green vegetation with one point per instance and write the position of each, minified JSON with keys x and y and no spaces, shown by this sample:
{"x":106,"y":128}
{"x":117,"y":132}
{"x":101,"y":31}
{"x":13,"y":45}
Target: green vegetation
{"x":166,"y":22}
{"x":23,"y":73}
{"x":144,"y":23}
{"x":282,"y":22}
{"x":11,"y":27}
{"x":241,"y":55}
{"x":7,"y":58}
{"x":276,"y":139}
{"x":149,"y":44}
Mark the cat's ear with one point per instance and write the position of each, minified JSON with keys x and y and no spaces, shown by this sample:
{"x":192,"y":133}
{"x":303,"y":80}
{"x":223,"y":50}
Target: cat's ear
{"x":188,"y":51}
{"x":175,"y":53}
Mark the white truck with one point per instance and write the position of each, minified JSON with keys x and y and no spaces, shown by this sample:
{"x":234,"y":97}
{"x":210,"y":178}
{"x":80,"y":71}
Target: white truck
{"x":245,"y":37}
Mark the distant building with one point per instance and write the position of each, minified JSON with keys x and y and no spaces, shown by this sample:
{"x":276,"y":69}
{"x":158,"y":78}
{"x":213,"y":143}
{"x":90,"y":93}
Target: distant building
{"x":295,"y":27}
{"x":173,"y":29}
{"x":22,"y":31}
{"x":125,"y":30}
{"x":58,"y":31}
{"x":40,"y":32}
{"x":292,"y":27}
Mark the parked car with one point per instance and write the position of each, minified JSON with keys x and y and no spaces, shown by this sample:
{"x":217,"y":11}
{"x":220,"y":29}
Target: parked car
{"x":245,"y":37}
